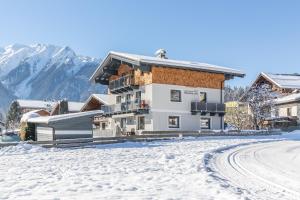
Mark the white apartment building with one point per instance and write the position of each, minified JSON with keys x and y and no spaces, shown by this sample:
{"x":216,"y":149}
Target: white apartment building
{"x":157,"y":94}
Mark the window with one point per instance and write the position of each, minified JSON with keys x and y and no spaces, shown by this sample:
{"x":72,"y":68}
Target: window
{"x":141,"y":123}
{"x":202,"y":97}
{"x":103,"y":126}
{"x":175,"y":95}
{"x":138,"y":96}
{"x":173,"y":121}
{"x":289,"y":112}
{"x":205,"y":123}
{"x":128,"y":97}
{"x":123,"y":122}
{"x":118,"y":99}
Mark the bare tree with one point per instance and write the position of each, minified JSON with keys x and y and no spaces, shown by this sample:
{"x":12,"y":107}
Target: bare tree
{"x":261,"y":101}
{"x":238,"y":117}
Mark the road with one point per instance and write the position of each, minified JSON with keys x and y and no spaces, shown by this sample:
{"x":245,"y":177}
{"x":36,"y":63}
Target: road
{"x":264,"y":170}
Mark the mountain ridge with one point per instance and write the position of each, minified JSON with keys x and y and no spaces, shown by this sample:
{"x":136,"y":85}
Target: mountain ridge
{"x":45,"y":71}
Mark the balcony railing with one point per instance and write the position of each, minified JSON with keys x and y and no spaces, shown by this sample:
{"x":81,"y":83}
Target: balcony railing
{"x":204,"y":108}
{"x":123,"y":84}
{"x":138,"y":106}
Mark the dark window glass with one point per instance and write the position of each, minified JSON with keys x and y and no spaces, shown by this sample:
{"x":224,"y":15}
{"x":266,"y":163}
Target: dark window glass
{"x":123,"y":122}
{"x":173,"y":121}
{"x":289,"y":112}
{"x":141,"y":123}
{"x":128,"y":97}
{"x":103,"y":126}
{"x":205,"y":123}
{"x":202,"y":97}
{"x":176,"y":95}
{"x":118,"y":99}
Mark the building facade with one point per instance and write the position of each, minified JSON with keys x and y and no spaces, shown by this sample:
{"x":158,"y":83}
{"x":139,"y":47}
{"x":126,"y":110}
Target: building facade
{"x":156,"y":94}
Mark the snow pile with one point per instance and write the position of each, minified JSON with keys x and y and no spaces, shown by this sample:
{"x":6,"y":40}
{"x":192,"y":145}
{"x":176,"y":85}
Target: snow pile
{"x":21,"y":149}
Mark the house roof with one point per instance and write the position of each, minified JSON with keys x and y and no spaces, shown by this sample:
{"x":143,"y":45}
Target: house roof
{"x":55,"y":118}
{"x":285,"y":81}
{"x":288,"y":99}
{"x":35,"y":104}
{"x":75,"y":106}
{"x":140,"y":60}
{"x":103,"y":98}
{"x":72,"y":107}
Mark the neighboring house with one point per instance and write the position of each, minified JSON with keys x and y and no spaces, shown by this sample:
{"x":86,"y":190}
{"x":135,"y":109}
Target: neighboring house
{"x":94,"y":102}
{"x":288,"y":106}
{"x":100,"y":125}
{"x":156,"y":94}
{"x":30,"y":105}
{"x":282,"y":83}
{"x":65,"y":107}
{"x":65,"y":126}
{"x":286,"y":88}
{"x":26,"y":117}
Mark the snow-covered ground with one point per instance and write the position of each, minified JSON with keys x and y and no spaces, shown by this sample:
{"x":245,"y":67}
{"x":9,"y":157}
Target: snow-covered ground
{"x":190,"y":168}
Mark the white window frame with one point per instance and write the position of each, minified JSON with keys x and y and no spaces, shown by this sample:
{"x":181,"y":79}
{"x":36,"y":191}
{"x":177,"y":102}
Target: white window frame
{"x":210,"y":123}
{"x":179,"y":122}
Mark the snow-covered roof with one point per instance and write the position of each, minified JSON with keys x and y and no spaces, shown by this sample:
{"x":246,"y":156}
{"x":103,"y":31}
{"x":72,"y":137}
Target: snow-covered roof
{"x":141,"y":59}
{"x":54,"y":118}
{"x":100,"y":97}
{"x":29,"y":115}
{"x":75,"y":106}
{"x":288,"y":99}
{"x":289,"y":81}
{"x":35,"y":104}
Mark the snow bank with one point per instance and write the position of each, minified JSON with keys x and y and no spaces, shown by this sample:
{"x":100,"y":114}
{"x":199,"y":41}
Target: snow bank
{"x":21,"y":149}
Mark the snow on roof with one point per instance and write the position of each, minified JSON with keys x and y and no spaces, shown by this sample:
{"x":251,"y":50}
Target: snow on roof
{"x":288,"y":99}
{"x":29,"y":115}
{"x":140,"y":59}
{"x":291,"y":81}
{"x":54,"y":118}
{"x":100,"y":97}
{"x":75,"y":106}
{"x":37,"y":104}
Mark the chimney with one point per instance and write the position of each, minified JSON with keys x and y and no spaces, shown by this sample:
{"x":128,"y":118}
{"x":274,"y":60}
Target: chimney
{"x":161,"y":53}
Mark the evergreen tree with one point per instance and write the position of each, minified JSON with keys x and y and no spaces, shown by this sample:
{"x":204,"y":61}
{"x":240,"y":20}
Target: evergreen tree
{"x":14,"y":115}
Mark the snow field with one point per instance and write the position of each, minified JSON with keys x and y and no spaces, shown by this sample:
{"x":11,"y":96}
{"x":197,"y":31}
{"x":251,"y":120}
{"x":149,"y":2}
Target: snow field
{"x":156,"y":170}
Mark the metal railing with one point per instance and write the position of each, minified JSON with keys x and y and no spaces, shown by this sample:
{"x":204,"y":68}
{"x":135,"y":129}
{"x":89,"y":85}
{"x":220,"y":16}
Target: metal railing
{"x":125,"y":107}
{"x":120,"y":83}
{"x":207,"y":107}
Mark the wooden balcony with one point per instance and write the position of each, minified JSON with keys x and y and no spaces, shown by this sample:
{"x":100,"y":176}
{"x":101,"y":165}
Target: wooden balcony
{"x":205,"y":108}
{"x":122,"y":84}
{"x":137,"y":107}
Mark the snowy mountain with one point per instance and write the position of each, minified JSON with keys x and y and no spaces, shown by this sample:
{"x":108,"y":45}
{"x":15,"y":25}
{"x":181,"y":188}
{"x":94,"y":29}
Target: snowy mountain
{"x":42,"y":71}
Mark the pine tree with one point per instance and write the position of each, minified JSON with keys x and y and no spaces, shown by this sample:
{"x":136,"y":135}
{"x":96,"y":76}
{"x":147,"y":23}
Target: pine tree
{"x":14,"y":115}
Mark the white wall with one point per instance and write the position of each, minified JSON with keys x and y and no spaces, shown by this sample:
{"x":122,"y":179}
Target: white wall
{"x":161,"y":100}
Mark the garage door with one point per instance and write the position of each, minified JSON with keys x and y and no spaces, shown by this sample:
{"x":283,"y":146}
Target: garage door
{"x":44,"y":133}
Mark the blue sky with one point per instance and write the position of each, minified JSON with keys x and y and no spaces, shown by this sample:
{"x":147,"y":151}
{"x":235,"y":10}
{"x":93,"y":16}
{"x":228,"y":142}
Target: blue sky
{"x":254,"y":36}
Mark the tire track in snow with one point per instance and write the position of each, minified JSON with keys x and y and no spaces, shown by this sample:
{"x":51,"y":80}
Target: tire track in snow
{"x":231,"y":167}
